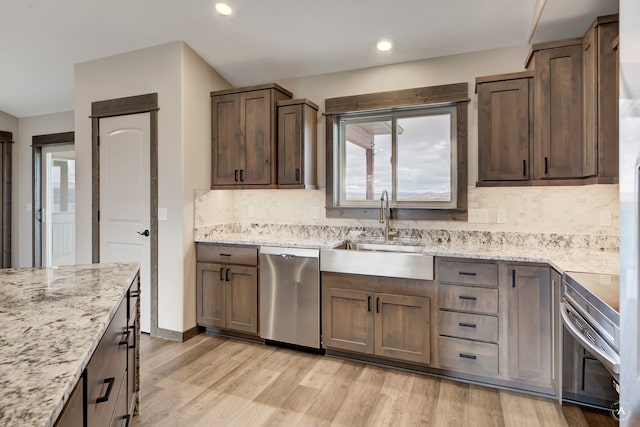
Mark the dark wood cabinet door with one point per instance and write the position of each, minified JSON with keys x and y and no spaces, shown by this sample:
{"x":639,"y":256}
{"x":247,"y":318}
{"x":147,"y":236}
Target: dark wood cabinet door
{"x":558,"y":113}
{"x":590,"y":102}
{"x":73,"y":413}
{"x":504,"y":126}
{"x":402,"y":328}
{"x":227,"y":160}
{"x":211,"y":294}
{"x":347,"y":319}
{"x":242,"y":299}
{"x":257,"y":141}
{"x":530,"y":325}
{"x":290,"y":148}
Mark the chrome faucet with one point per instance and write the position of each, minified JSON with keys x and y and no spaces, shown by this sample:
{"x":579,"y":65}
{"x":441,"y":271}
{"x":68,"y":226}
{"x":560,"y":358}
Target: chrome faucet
{"x":385,"y":217}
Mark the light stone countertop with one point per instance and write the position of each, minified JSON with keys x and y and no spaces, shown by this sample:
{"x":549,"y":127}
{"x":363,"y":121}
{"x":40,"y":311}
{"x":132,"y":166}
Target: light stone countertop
{"x":561,"y":258}
{"x":51,"y":322}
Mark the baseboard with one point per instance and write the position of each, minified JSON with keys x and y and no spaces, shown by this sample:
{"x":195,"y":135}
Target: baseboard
{"x":176,"y":336}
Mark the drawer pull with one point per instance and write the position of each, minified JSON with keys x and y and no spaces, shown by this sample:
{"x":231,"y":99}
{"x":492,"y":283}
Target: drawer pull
{"x":466,"y":298}
{"x":466,"y":325}
{"x":134,"y":294}
{"x":465,"y":273}
{"x":109,"y":382}
{"x":133,"y":328}
{"x":468,"y":356}
{"x":125,"y":340}
{"x":225,"y":254}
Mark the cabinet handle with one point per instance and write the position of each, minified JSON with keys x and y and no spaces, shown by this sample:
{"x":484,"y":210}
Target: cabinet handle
{"x":225,"y":254}
{"x":221,"y":270}
{"x":227,"y":275}
{"x":466,"y":325}
{"x":377,"y":304}
{"x":468,"y":356}
{"x":464,"y":273}
{"x":125,"y":340}
{"x":546,"y":165}
{"x":466,"y":298}
{"x":297,"y":174}
{"x":235,"y":175}
{"x":241,"y":175}
{"x":110,"y":382}
{"x":133,"y":328}
{"x":513,"y":278}
{"x":134,"y":294}
{"x":369,"y":303}
{"x":524,"y":168}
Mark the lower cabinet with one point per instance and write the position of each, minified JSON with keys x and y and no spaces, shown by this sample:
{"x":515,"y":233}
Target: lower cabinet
{"x":111,"y":376}
{"x":529,"y":321}
{"x":227,"y":297}
{"x":375,"y":322}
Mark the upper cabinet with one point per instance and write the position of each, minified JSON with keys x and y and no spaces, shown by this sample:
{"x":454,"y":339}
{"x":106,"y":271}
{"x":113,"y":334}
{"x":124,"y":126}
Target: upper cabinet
{"x":557,"y":112}
{"x":297,"y":136}
{"x":504,"y":127}
{"x":600,"y":97}
{"x":557,"y":125}
{"x":244,"y":136}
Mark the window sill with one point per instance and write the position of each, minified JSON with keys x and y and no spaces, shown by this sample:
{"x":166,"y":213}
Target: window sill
{"x":399,"y":214}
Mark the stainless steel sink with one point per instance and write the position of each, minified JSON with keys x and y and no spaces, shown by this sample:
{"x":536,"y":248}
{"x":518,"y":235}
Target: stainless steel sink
{"x":384,"y":247}
{"x":392,"y":259}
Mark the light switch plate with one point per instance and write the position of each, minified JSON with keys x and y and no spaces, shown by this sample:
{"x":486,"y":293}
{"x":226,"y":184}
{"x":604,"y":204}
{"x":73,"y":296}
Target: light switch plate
{"x":478,"y":216}
{"x":605,"y":218}
{"x":162,"y":214}
{"x":501,"y":216}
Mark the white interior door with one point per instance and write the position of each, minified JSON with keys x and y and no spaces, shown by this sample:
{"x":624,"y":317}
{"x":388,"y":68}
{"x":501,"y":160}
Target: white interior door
{"x":58,"y":205}
{"x":125,"y":197}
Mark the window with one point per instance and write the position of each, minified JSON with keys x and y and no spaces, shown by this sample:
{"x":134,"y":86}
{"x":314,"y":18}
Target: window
{"x":411,"y":143}
{"x":410,"y":154}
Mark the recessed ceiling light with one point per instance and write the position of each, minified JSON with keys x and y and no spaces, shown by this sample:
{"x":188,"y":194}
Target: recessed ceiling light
{"x":223,"y":9}
{"x":384,"y":45}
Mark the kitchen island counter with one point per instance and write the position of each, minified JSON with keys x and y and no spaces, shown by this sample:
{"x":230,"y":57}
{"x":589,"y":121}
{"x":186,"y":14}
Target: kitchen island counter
{"x":52,"y":320}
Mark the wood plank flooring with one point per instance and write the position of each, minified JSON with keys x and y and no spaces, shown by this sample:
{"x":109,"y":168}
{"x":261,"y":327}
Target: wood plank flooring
{"x":215,"y":381}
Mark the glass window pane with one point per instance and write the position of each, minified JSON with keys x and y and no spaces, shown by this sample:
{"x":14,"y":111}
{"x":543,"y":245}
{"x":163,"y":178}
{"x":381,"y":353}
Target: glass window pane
{"x":367,"y":165}
{"x":424,"y":158}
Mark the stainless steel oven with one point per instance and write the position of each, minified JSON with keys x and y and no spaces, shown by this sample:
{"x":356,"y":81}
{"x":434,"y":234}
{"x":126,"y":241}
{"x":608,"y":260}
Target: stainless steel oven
{"x":591,"y":339}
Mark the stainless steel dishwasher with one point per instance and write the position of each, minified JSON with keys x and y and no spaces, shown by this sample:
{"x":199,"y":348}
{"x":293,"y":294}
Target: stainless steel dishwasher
{"x":290,"y":295}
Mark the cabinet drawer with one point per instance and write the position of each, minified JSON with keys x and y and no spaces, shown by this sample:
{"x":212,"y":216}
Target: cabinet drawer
{"x":466,"y":298}
{"x":226,"y":254}
{"x":105,"y":371}
{"x":466,"y":325}
{"x":476,"y":358}
{"x":468,"y":273}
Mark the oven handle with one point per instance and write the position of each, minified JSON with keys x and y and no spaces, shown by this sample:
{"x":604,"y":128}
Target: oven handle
{"x":611,"y":364}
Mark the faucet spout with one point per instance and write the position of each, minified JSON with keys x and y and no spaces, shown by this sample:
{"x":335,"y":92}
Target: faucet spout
{"x":385,"y":216}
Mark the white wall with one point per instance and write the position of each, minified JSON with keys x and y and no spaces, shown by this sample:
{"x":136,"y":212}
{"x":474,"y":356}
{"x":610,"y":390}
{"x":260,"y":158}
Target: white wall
{"x":183,"y":82}
{"x":548,"y":209}
{"x":9,"y":123}
{"x":22,"y":198}
{"x":198,"y":80}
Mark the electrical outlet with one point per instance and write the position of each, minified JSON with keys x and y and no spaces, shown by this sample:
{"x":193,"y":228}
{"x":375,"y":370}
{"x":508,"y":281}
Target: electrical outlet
{"x":162,"y":214}
{"x":605,"y":218}
{"x":478,"y":216}
{"x":250,"y":212}
{"x":501,"y":216}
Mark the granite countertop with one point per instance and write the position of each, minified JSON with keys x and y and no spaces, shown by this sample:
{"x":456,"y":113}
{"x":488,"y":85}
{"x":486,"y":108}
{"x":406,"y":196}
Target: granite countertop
{"x":561,"y":258}
{"x":52,"y":320}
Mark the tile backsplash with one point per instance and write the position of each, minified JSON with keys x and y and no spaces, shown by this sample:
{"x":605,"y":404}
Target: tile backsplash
{"x":567,"y":210}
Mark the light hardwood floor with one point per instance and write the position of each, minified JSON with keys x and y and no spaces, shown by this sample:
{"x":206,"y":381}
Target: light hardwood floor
{"x":215,"y":381}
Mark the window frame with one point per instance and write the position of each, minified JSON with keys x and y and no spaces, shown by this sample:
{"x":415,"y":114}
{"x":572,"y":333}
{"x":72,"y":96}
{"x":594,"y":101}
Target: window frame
{"x":455,"y":95}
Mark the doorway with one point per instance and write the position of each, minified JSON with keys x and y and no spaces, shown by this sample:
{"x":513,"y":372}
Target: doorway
{"x":5,"y":198}
{"x":133,"y":144}
{"x":58,"y":205}
{"x":53,"y":203}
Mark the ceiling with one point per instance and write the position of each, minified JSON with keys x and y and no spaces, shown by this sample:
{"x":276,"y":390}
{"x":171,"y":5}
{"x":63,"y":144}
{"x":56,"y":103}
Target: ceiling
{"x":263,"y":41}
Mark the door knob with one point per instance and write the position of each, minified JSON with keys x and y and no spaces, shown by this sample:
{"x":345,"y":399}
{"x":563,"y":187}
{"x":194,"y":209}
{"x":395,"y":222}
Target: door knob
{"x":143,"y":233}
